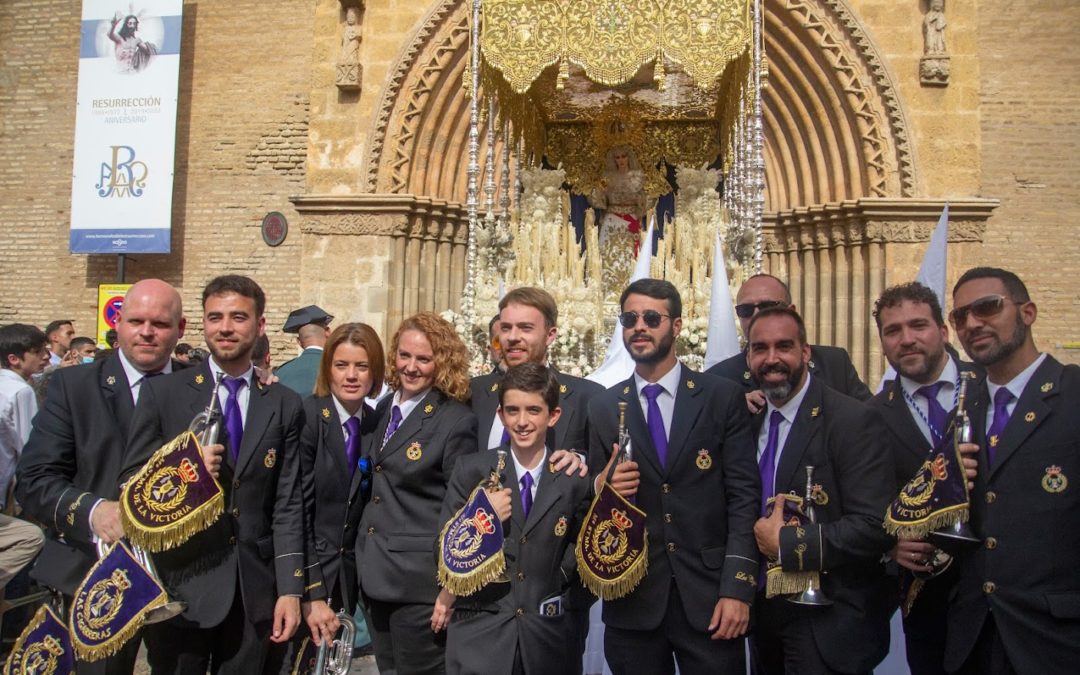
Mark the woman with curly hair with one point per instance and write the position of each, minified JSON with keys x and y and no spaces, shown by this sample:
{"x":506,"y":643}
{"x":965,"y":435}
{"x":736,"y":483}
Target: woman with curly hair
{"x":420,"y":432}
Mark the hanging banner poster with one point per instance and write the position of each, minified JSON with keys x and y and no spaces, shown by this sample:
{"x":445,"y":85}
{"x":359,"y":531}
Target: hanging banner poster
{"x":125,"y":126}
{"x":110,"y":300}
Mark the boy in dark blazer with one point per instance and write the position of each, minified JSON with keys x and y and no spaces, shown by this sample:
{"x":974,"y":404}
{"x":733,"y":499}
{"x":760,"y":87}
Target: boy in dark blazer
{"x":520,"y":626}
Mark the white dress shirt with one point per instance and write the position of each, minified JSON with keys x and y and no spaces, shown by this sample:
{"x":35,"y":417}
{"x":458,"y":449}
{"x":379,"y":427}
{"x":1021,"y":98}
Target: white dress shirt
{"x":135,"y":376}
{"x":665,"y":400}
{"x":18,"y":405}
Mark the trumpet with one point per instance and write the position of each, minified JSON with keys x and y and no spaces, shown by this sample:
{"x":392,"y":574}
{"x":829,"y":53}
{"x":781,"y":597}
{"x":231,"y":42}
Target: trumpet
{"x":207,"y":425}
{"x":335,"y":656}
{"x":625,"y":452}
{"x":811,"y":596}
{"x":158,"y":614}
{"x":958,"y":536}
{"x":494,"y":481}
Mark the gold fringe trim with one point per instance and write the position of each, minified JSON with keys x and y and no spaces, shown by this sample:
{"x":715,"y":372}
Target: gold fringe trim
{"x":157,"y":539}
{"x":480,"y":576}
{"x":913,"y":592}
{"x":614,"y":589}
{"x":779,"y":582}
{"x":116,"y":642}
{"x":20,"y":642}
{"x":919,"y":529}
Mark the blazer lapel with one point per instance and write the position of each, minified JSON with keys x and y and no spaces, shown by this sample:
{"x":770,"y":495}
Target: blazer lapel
{"x":1031,"y":410}
{"x":641,"y":446}
{"x":412,"y":424}
{"x":117,"y":390}
{"x":259,"y":415}
{"x":557,"y":434}
{"x":510,"y":480}
{"x":902,"y":423}
{"x":334,"y":440}
{"x":808,"y":421}
{"x":547,"y":494}
{"x":486,"y":404}
{"x":688,"y":406}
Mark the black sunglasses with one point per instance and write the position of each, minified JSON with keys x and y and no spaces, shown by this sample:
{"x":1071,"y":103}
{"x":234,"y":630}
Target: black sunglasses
{"x":747,"y":309}
{"x":984,"y":308}
{"x":651,"y":317}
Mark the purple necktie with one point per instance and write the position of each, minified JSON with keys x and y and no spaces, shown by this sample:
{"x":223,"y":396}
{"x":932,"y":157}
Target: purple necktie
{"x":395,"y":422}
{"x":1002,"y":399}
{"x":526,"y":493}
{"x":352,"y":443}
{"x":935,"y":414}
{"x":234,"y":421}
{"x":767,"y":463}
{"x":656,"y":422}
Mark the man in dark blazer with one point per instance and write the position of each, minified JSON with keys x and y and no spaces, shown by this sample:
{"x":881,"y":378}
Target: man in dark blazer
{"x":242,"y":577}
{"x":693,"y":474}
{"x":69,"y":470}
{"x":311,"y":325}
{"x":832,"y":365}
{"x":522,"y":626}
{"x":915,"y":407}
{"x":527,"y":325}
{"x":810,"y":424}
{"x":1016,"y":605}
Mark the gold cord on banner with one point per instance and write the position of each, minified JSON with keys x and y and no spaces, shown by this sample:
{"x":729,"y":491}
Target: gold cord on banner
{"x":588,"y":548}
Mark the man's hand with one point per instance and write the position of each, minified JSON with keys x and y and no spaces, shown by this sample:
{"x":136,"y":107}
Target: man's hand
{"x":626,"y":480}
{"x":267,"y":377}
{"x":913,"y":555}
{"x":71,"y":358}
{"x":969,"y":455}
{"x":212,"y":456}
{"x":730,"y":618}
{"x":755,"y":401}
{"x":322,"y":621}
{"x":286,"y":618}
{"x":444,"y":609}
{"x":105,"y":522}
{"x":767,"y":530}
{"x":571,"y":461}
{"x":500,"y":501}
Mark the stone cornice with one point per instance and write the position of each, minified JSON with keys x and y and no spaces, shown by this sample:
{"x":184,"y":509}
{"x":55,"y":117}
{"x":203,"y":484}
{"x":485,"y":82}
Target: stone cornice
{"x":382,"y":214}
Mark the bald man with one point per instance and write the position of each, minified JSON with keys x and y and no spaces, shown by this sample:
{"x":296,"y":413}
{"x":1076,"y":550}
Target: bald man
{"x":311,"y":325}
{"x":67,"y":476}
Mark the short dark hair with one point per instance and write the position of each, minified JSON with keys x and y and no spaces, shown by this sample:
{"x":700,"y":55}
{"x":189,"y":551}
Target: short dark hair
{"x":913,"y":292}
{"x":55,"y":326}
{"x":111,"y":336}
{"x":18,"y":338}
{"x":760,"y":275}
{"x":239,"y":284}
{"x":1014,"y":288}
{"x":779,"y":311}
{"x":491,"y":324}
{"x":183,"y":348}
{"x":658,"y":289}
{"x":531,"y":296}
{"x":262,"y":348}
{"x":80,"y":341}
{"x":532,"y":378}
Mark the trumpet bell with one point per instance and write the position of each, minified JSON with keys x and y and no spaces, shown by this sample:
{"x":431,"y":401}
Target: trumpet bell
{"x":811,"y":596}
{"x":939,"y":563}
{"x":166,"y":611}
{"x":954,"y":539}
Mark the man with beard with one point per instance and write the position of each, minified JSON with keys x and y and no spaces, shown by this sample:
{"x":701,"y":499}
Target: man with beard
{"x":693,"y":475}
{"x":831,"y":365}
{"x":68,"y":476}
{"x":525,"y":327}
{"x":807,"y":424}
{"x":242,"y":577}
{"x":1016,"y":606}
{"x":915,"y":407}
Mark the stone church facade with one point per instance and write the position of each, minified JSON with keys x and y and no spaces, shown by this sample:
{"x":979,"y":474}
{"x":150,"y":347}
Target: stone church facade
{"x":871,"y":125}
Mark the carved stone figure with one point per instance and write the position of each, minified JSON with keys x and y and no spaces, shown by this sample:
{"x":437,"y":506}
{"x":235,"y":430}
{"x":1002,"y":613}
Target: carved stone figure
{"x":934,"y":29}
{"x":348,"y":65}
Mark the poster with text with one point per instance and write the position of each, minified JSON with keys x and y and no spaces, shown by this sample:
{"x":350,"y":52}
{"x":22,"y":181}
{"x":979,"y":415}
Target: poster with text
{"x":125,"y":126}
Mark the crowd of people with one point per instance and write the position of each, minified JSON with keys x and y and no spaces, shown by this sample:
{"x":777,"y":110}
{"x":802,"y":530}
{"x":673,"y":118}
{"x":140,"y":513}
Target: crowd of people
{"x":341,"y":468}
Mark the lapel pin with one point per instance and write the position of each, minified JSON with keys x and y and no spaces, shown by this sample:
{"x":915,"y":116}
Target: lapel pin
{"x":271,"y":458}
{"x":326,"y":413}
{"x":110,"y":380}
{"x":1030,"y":417}
{"x":810,"y":363}
{"x":1054,"y":481}
{"x":560,"y":527}
{"x":626,"y":390}
{"x":690,"y":384}
{"x":259,"y":384}
{"x":890,"y":395}
{"x":746,"y":375}
{"x":815,"y":411}
{"x":994,"y":441}
{"x":428,"y":409}
{"x":551,"y":467}
{"x":413,"y":452}
{"x":562,"y":388}
{"x":494,"y":386}
{"x":703,"y":461}
{"x":199,"y":379}
{"x":1046,"y":387}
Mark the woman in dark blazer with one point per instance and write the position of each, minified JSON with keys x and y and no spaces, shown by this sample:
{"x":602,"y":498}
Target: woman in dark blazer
{"x":337,"y":419}
{"x":421,"y":431}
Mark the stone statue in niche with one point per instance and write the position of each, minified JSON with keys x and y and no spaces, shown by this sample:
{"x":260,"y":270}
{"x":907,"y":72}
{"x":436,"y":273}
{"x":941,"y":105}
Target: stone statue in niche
{"x":348,"y":63}
{"x":934,"y":64}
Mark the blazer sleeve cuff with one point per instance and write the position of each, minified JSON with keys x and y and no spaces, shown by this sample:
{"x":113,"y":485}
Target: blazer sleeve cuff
{"x":289,"y":571}
{"x":71,"y":517}
{"x":801,"y":548}
{"x":739,"y":578}
{"x":314,"y":588}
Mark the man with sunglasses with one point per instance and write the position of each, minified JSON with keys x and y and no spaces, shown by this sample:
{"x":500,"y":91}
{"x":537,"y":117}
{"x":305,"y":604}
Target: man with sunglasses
{"x":693,"y":474}
{"x":832,"y":365}
{"x":1016,"y":606}
{"x":915,"y":407}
